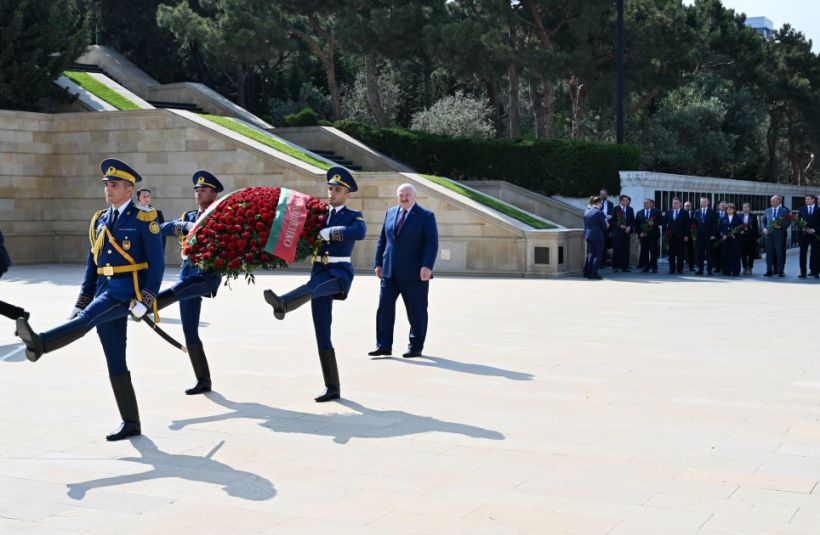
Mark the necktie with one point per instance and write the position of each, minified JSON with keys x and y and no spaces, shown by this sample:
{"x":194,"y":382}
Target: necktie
{"x":811,"y":208}
{"x":401,"y":222}
{"x":114,"y":216}
{"x":703,"y":212}
{"x":332,"y":213}
{"x":676,"y":216}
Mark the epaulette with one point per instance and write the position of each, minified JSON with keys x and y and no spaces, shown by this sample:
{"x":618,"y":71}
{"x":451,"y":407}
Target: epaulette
{"x":92,"y":228}
{"x":146,"y":214}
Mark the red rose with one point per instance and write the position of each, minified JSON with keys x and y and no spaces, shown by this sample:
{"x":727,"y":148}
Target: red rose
{"x":241,"y":244}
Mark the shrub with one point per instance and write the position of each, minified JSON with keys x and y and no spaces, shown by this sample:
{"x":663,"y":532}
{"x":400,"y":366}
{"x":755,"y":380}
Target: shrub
{"x":458,"y":116}
{"x":566,"y":167}
{"x":304,"y":117}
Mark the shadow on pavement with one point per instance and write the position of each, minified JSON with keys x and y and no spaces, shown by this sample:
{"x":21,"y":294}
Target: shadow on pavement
{"x":364,"y":423}
{"x":205,"y":469}
{"x":462,"y":367}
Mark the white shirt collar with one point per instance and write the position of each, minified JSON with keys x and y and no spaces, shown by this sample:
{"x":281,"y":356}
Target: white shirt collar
{"x":337,"y":208}
{"x":408,"y":210}
{"x":121,"y":208}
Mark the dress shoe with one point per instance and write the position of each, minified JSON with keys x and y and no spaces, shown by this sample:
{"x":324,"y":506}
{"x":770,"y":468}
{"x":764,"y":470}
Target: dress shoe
{"x":595,"y":278}
{"x":699,"y":272}
{"x":645,"y":270}
{"x":655,"y":270}
{"x":379,"y":351}
{"x":329,"y":395}
{"x":201,"y":386}
{"x":801,"y":276}
{"x":125,"y":430}
{"x":767,"y":274}
{"x":626,"y":270}
{"x":781,"y":274}
{"x":288,"y":302}
{"x":417,"y":353}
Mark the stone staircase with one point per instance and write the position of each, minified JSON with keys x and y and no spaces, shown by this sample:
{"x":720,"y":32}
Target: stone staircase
{"x":332,"y":156}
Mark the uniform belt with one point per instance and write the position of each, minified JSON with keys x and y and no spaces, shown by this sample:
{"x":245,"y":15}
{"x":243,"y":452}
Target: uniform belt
{"x":110,"y":271}
{"x":336,"y":259}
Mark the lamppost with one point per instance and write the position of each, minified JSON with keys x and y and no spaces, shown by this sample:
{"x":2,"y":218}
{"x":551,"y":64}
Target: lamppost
{"x":619,"y":83}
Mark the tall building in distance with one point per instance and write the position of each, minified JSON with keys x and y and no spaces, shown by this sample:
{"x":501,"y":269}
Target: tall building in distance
{"x":761,"y":25}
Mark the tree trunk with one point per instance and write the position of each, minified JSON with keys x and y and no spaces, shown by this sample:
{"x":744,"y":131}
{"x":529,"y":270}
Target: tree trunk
{"x":492,"y":93}
{"x":515,"y":121}
{"x":577,"y":94}
{"x":374,"y":101}
{"x":548,"y":103}
{"x":771,"y":142}
{"x":333,"y":88}
{"x":240,"y":85}
{"x":328,"y":59}
{"x":537,"y":107}
{"x":428,"y":82}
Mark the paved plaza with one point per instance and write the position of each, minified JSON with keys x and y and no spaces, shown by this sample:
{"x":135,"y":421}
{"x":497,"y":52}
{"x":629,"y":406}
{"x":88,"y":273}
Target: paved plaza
{"x":639,"y":404}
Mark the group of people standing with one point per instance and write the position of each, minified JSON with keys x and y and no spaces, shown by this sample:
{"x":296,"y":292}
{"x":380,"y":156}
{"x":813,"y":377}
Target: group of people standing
{"x":707,"y":240}
{"x":126,"y":262}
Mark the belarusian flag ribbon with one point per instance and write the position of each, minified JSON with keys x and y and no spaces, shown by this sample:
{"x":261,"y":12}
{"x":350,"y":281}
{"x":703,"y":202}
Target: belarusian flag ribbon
{"x":291,"y":213}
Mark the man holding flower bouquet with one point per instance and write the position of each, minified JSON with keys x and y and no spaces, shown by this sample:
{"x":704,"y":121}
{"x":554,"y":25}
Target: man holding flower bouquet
{"x":676,"y":225}
{"x":621,"y":231}
{"x":331,"y":276}
{"x":193,"y":283}
{"x":808,"y":217}
{"x":774,"y":223}
{"x":748,"y":243}
{"x":707,"y":232}
{"x":649,"y":222}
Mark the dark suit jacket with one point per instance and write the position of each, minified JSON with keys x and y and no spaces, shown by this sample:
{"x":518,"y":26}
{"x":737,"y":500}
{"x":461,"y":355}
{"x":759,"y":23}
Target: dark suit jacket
{"x":615,"y":229}
{"x":754,"y":229}
{"x":708,"y":225}
{"x":594,"y":225}
{"x":416,"y":246}
{"x":769,"y":217}
{"x":609,"y":206}
{"x":725,"y":228}
{"x":679,"y":227}
{"x":640,"y":219}
{"x":814,"y":220}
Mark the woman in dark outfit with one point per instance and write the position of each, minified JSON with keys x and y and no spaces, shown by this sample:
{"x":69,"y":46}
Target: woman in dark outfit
{"x":731,"y":243}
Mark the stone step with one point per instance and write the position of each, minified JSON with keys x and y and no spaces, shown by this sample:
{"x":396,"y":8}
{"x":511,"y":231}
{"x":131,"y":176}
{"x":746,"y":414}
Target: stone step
{"x":333,"y":157}
{"x":187,"y":106}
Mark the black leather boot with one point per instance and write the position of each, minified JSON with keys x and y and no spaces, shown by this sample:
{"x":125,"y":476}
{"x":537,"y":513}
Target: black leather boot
{"x":330,"y":372}
{"x":12,"y":312}
{"x":127,"y":405}
{"x":165,"y":298}
{"x":200,"y":365}
{"x":37,"y":344}
{"x":288,"y":302}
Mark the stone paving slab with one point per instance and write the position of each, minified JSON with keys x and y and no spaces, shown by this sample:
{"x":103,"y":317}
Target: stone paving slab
{"x":638,"y":404}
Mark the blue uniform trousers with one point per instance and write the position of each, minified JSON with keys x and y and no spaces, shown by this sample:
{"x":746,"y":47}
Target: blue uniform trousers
{"x":324,"y":288}
{"x":414,"y":293}
{"x":189,"y":292}
{"x":109,"y":315}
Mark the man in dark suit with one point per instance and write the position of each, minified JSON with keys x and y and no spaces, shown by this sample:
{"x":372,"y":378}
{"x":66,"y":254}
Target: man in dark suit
{"x":595,"y":231}
{"x":405,"y":255}
{"x":676,"y":225}
{"x":808,"y":237}
{"x":717,"y":247}
{"x":689,"y":246}
{"x":748,"y":244}
{"x":621,"y":227}
{"x":775,"y":222}
{"x":648,"y":223}
{"x":707,"y":221}
{"x":606,"y":207}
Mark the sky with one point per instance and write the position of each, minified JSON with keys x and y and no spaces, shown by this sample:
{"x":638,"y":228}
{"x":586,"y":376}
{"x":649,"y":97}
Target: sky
{"x":803,"y":15}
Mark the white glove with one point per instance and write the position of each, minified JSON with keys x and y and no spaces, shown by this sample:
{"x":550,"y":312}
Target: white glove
{"x":325,"y":233}
{"x":188,"y":226}
{"x":138,"y":310}
{"x":74,"y":312}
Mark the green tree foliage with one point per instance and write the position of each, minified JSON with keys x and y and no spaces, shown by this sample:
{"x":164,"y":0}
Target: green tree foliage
{"x":39,"y":39}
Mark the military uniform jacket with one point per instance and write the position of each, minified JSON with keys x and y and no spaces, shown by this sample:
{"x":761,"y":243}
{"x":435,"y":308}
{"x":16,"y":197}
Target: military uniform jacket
{"x":187,"y":270}
{"x":137,"y":243}
{"x":341,"y":244}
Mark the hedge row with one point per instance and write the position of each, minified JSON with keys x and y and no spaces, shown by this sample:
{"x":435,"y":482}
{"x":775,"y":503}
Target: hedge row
{"x":565,"y":167}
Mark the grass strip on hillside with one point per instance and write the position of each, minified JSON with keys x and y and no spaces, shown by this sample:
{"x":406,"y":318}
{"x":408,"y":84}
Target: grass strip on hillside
{"x":486,"y":200}
{"x":100,"y":90}
{"x":255,"y":135}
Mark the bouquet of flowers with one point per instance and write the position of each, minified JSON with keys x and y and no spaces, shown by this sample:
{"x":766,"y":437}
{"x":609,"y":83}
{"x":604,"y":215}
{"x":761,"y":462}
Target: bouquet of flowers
{"x":693,"y":232}
{"x":620,"y":217}
{"x":667,"y":235}
{"x":801,"y":225}
{"x":779,"y":222}
{"x":739,"y":230}
{"x":648,"y":225}
{"x":256,"y":228}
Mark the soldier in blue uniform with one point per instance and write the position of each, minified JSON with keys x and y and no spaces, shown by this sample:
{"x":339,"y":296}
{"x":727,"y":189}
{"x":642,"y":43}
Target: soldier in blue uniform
{"x":193,"y":284}
{"x":331,"y":275}
{"x":123,"y":274}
